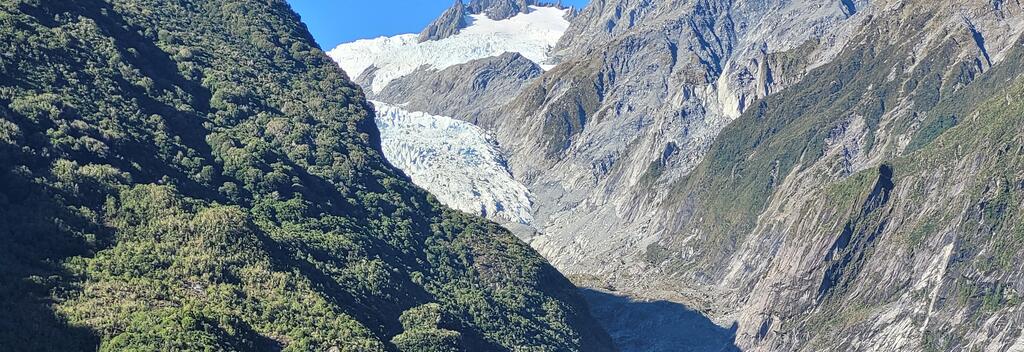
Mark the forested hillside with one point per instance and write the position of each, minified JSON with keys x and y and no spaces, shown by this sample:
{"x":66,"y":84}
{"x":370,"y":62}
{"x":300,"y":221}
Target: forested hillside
{"x":198,"y":175}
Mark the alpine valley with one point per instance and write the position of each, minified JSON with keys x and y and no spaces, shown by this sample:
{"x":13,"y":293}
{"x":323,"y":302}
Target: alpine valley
{"x":632,"y":175}
{"x":765,"y":175}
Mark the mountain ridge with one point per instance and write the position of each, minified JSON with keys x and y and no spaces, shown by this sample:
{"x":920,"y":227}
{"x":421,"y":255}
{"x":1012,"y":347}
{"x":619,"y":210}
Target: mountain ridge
{"x":458,"y":16}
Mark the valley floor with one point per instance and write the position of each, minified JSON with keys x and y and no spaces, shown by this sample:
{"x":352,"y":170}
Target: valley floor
{"x":656,"y":326}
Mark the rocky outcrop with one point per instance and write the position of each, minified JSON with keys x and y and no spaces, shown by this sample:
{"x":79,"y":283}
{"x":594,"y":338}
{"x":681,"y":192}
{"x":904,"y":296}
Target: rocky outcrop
{"x":501,"y":9}
{"x":468,"y":92}
{"x":450,"y":22}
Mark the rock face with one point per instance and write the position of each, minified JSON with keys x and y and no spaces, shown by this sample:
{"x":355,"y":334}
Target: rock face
{"x":501,"y":9}
{"x":827,"y":175}
{"x":835,"y":222}
{"x":466,"y":91}
{"x":450,"y":22}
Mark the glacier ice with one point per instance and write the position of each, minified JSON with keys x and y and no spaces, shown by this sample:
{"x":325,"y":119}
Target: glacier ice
{"x":458,"y":162}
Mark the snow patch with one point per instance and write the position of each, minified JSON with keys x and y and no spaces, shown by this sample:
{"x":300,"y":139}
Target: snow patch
{"x":531,"y":35}
{"x":460,"y":163}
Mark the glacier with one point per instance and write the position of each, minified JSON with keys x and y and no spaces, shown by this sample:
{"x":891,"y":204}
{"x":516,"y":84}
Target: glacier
{"x":531,"y":34}
{"x":458,"y":162}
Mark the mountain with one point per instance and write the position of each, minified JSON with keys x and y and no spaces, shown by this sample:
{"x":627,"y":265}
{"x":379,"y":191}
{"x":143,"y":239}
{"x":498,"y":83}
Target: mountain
{"x":450,"y":22}
{"x":837,"y":175}
{"x":198,"y":175}
{"x":377,"y":62}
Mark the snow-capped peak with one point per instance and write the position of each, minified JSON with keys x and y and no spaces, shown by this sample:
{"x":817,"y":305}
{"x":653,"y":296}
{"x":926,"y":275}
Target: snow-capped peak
{"x":531,"y":34}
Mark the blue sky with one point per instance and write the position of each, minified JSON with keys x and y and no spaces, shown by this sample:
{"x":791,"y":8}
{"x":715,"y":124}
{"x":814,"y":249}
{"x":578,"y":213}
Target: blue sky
{"x":333,"y":22}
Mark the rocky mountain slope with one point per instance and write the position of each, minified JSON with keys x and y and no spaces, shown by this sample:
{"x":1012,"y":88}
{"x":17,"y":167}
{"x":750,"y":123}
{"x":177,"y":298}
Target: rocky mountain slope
{"x":449,"y":24}
{"x":827,"y":175}
{"x":198,"y":175}
{"x":854,"y":233}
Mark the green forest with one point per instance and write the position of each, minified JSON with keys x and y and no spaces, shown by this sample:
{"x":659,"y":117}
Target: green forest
{"x":184,"y":175}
